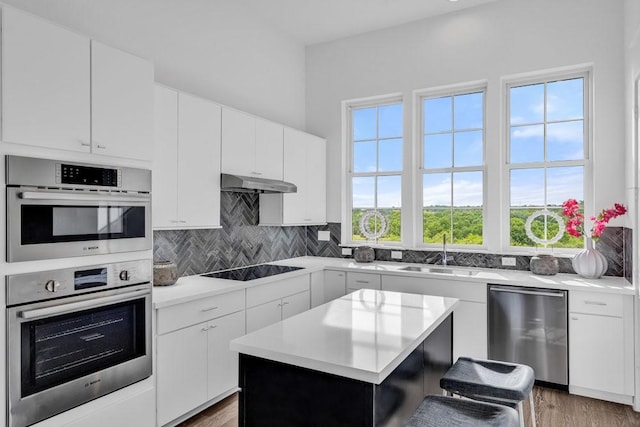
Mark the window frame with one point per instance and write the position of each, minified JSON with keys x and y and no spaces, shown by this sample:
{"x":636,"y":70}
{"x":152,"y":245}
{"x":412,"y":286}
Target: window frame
{"x":420,"y":96}
{"x":586,"y":162}
{"x":348,"y":174}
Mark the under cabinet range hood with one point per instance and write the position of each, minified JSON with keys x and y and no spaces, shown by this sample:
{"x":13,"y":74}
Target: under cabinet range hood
{"x":251,"y":184}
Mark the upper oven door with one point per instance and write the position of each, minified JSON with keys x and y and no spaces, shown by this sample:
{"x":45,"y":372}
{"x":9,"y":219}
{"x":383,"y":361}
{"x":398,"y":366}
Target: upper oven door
{"x":46,"y":224}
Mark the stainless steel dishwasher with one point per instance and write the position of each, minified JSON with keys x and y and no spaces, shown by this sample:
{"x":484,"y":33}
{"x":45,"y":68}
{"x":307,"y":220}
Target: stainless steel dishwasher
{"x":529,"y":326}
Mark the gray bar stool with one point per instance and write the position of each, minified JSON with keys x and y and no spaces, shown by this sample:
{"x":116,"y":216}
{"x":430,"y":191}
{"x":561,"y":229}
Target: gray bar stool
{"x":492,"y":381}
{"x":443,"y":411}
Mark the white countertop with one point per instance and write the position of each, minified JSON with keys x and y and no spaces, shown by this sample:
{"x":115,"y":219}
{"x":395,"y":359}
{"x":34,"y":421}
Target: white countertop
{"x":364,"y":335}
{"x":194,"y":287}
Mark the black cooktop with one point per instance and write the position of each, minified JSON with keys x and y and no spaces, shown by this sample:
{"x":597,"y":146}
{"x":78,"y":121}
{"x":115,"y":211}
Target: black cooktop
{"x":251,"y":273}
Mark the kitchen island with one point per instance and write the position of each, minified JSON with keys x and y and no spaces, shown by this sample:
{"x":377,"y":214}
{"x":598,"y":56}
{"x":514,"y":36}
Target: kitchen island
{"x":366,"y":359}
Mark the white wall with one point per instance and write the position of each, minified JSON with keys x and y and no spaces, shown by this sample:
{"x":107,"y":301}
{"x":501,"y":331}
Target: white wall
{"x":488,"y":42}
{"x":210,"y":48}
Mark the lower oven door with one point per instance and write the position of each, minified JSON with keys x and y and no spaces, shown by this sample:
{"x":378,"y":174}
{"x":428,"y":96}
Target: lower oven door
{"x":66,"y":352}
{"x":47,"y":224}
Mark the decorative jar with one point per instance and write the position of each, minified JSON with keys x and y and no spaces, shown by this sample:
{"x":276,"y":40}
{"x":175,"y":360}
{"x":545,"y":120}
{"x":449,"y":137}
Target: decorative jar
{"x":164,"y":273}
{"x":364,"y":254}
{"x":544,"y":265}
{"x":589,"y":262}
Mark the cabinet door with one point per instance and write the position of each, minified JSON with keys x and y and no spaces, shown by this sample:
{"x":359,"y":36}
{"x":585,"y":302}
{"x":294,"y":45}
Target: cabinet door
{"x":316,"y":189}
{"x":596,"y":356}
{"x":470,"y":330}
{"x":198,"y":162}
{"x":45,"y":84}
{"x":268,"y":149}
{"x":238,"y":142}
{"x":295,"y":304}
{"x":165,"y":153}
{"x":294,"y":209}
{"x":335,"y":285}
{"x":264,"y":315}
{"x":182,"y":371}
{"x":121,"y":103}
{"x":223,"y":363}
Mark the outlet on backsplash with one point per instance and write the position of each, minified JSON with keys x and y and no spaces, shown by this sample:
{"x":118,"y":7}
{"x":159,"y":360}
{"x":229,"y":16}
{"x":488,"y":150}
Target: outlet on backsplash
{"x":508,"y":261}
{"x":324,"y":236}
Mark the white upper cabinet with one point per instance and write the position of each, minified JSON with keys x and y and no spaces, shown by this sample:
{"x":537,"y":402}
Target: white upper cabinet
{"x":251,"y":146}
{"x":198,"y":162}
{"x":62,"y":91}
{"x":45,"y":84}
{"x":186,"y":161}
{"x":121,"y":103}
{"x":165,"y":154}
{"x":304,"y":166}
{"x":268,"y":152}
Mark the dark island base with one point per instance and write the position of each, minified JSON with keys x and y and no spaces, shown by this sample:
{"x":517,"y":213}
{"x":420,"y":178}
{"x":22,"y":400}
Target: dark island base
{"x":278,"y":394}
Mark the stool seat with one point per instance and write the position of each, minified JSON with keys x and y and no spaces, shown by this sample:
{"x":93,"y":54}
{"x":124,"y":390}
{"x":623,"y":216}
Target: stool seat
{"x":488,"y":378}
{"x":442,"y":411}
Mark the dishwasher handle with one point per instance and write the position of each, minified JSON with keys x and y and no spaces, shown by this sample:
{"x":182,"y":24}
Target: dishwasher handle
{"x":545,"y":293}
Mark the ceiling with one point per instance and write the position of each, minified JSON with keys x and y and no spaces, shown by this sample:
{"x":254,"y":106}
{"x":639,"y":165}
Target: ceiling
{"x":317,"y":21}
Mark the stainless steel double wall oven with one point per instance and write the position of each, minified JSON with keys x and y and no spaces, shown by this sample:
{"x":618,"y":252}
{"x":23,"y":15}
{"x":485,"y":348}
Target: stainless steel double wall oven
{"x":75,"y":334}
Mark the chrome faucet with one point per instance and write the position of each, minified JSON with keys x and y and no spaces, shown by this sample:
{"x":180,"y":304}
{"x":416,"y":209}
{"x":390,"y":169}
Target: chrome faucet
{"x":445,"y":258}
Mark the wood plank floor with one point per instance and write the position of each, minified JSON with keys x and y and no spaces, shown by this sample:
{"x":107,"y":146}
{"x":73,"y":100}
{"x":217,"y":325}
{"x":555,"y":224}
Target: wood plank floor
{"x":553,"y":408}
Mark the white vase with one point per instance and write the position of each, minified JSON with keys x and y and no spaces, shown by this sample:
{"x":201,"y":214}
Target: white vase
{"x":589,"y":262}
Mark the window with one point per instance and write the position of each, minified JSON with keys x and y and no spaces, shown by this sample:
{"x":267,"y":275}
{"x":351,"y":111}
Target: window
{"x":375,"y":174}
{"x":547,"y":152}
{"x":453,"y":167}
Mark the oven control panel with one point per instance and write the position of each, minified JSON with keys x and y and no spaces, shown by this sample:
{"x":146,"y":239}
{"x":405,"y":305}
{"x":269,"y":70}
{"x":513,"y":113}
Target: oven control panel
{"x":87,"y":175}
{"x":42,"y":285}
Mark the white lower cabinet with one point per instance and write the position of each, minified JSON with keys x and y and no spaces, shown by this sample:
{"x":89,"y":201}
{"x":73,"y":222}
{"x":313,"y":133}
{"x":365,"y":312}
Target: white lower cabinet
{"x":194,"y":363}
{"x":263,"y":315}
{"x":181,"y":367}
{"x":274,"y":311}
{"x":601,"y":345}
{"x":469,"y":317}
{"x":222,"y":363}
{"x":275,"y":301}
{"x":335,"y":284}
{"x":295,"y":304}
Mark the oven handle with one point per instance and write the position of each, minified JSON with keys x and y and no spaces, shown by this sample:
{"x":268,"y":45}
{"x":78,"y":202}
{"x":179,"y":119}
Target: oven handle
{"x":75,"y":306}
{"x":76,"y":196}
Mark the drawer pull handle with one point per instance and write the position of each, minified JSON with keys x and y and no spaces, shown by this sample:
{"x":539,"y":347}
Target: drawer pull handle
{"x":362,"y":281}
{"x":595,"y":303}
{"x":285,"y":303}
{"x":210,"y":308}
{"x":574,"y":318}
{"x":212,"y":327}
{"x":205,"y":329}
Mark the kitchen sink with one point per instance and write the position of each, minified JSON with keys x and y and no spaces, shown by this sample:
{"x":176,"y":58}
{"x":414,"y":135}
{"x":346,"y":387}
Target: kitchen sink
{"x":440,"y":270}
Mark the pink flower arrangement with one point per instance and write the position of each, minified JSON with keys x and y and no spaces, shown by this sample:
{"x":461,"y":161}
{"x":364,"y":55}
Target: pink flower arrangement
{"x":575,"y":218}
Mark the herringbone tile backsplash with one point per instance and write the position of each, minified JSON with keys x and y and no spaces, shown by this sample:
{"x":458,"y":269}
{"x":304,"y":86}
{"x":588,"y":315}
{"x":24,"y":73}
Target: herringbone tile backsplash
{"x":242,"y":242}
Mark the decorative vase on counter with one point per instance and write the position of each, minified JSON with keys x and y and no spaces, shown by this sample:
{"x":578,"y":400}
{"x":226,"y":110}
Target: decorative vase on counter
{"x":364,"y":254}
{"x":165,"y":273}
{"x":544,"y":265}
{"x":589,"y":262}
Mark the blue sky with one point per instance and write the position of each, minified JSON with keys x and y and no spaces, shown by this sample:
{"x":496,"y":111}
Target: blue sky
{"x":453,"y":136}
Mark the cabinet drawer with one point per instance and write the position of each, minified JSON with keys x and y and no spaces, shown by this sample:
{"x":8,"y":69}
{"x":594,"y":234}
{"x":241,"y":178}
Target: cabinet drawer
{"x":357,"y":281}
{"x":190,"y":313}
{"x":595,"y":303}
{"x":277,"y":290}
